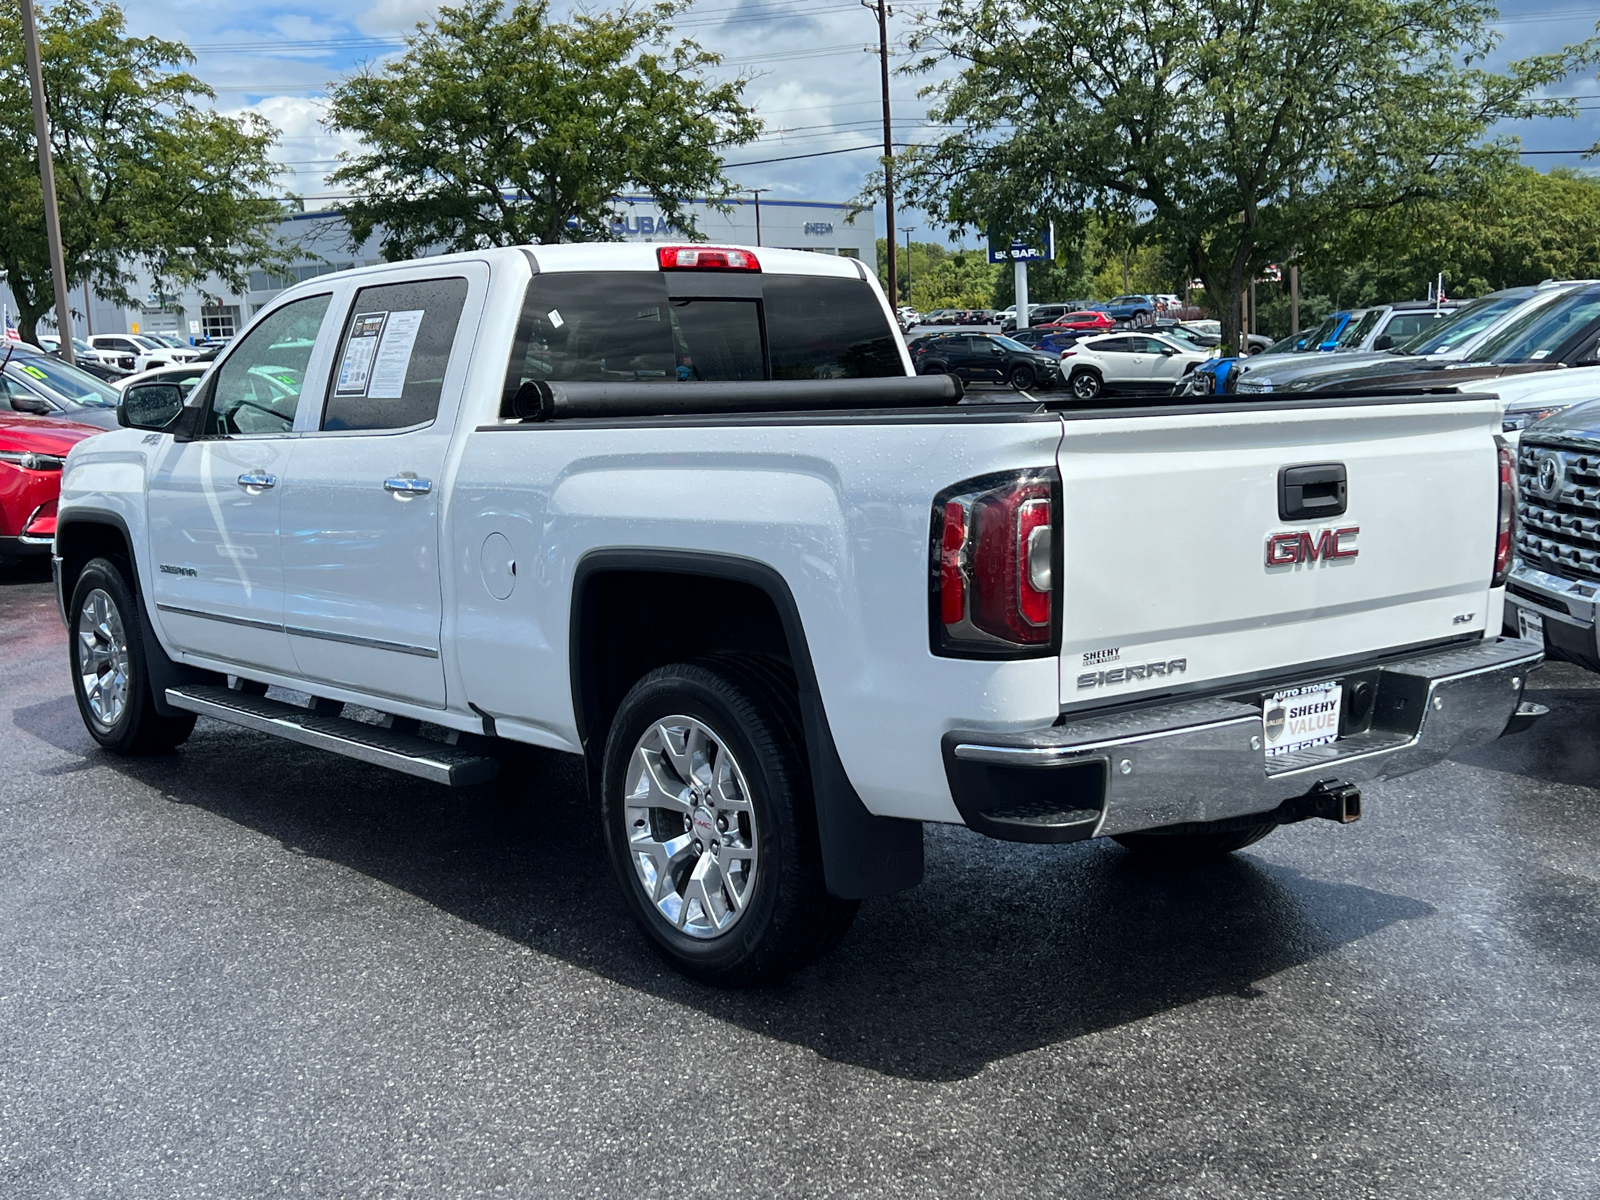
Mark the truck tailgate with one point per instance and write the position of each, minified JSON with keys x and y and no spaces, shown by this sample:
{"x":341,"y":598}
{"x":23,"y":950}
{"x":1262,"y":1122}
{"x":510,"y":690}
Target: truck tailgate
{"x":1179,"y":569}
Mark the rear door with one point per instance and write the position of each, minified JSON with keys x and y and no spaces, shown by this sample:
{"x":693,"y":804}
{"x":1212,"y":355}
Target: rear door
{"x":1180,"y":569}
{"x":361,"y":501}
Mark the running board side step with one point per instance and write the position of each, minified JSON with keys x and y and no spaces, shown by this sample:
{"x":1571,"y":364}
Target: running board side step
{"x":407,"y":753}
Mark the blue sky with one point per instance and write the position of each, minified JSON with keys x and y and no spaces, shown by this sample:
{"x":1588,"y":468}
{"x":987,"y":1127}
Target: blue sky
{"x":812,"y":82}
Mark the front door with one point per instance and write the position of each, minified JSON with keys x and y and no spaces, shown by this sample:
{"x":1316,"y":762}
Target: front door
{"x":362,"y":605}
{"x":1166,"y":365}
{"x":214,"y":501}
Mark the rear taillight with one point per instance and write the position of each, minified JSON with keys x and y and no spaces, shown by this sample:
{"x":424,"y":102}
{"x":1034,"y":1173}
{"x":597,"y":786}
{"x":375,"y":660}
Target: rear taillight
{"x":706,"y":258}
{"x":1508,"y":515}
{"x":994,"y":568}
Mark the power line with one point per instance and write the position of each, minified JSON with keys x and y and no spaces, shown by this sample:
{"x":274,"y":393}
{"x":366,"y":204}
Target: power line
{"x":757,"y":162}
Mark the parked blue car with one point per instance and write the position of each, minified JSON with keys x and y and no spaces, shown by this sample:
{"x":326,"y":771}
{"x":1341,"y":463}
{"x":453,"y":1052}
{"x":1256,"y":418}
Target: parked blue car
{"x":1131,"y":310}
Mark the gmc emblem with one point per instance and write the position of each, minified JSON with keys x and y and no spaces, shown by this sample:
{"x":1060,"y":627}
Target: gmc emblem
{"x":1286,"y":549}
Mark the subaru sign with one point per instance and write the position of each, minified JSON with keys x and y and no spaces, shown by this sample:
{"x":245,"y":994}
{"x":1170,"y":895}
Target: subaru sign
{"x":1040,"y":249}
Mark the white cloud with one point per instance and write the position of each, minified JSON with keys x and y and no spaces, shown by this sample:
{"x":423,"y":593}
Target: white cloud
{"x":306,"y":146}
{"x":395,"y":16}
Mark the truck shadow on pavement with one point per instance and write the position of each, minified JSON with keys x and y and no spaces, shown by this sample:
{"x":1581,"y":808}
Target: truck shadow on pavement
{"x":1003,"y":948}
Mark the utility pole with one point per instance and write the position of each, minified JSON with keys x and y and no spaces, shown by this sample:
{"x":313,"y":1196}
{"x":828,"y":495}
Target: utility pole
{"x":884,"y":12}
{"x":47,"y":182}
{"x":757,"y":193}
{"x":1294,"y":300}
{"x":906,"y":229}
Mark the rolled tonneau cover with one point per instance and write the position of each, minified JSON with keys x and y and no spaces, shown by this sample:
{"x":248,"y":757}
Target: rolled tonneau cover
{"x":537,"y":400}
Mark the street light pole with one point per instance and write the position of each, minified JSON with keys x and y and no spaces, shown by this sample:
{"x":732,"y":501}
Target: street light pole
{"x":906,"y":229}
{"x":47,"y":183}
{"x":757,"y":193}
{"x":884,"y":12}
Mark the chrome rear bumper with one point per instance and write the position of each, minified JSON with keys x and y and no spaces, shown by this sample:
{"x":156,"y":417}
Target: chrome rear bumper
{"x":1202,"y":760}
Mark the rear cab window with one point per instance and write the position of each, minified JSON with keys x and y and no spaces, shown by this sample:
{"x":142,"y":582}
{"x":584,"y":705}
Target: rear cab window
{"x":390,"y":362}
{"x":624,"y":327}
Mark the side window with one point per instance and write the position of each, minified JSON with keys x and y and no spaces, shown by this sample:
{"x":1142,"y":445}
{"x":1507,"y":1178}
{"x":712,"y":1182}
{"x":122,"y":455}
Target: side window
{"x":1114,"y":346}
{"x":389,"y":372}
{"x":1406,"y":326}
{"x":258,"y":385}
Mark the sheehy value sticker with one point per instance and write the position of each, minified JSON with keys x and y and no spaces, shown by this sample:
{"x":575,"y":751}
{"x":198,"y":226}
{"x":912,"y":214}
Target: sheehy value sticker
{"x":356,"y":367}
{"x":1299,"y":717}
{"x":393,"y":359}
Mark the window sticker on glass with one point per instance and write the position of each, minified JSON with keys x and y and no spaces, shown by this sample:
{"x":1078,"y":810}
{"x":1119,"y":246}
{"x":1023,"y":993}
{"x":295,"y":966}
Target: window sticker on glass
{"x":359,"y":352}
{"x":35,"y":372}
{"x":394,"y":355}
{"x":555,"y":318}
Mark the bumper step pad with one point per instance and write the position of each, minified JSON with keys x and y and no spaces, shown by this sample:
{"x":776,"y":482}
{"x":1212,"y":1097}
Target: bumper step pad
{"x":407,"y":753}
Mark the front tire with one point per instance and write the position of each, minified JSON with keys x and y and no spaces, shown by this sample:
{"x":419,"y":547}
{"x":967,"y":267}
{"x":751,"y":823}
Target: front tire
{"x":1186,"y":849}
{"x":1022,"y":378}
{"x":711,"y":829}
{"x":110,"y":677}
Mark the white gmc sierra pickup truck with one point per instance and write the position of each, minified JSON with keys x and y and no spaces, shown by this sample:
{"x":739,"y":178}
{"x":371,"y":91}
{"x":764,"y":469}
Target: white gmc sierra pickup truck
{"x":684,"y":511}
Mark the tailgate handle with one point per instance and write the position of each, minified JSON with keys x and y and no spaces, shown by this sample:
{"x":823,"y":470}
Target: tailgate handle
{"x":1312,"y":492}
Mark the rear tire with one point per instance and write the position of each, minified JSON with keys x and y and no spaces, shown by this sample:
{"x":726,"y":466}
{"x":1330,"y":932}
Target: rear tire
{"x":1185,"y":849}
{"x":711,"y":755}
{"x":1085,"y":385}
{"x":110,"y":676}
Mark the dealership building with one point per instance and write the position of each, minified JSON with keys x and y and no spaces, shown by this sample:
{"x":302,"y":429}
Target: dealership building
{"x":322,"y":245}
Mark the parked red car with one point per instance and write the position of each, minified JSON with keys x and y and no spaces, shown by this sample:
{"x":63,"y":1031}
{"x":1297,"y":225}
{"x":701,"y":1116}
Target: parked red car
{"x":1088,"y":322}
{"x":32,"y":452}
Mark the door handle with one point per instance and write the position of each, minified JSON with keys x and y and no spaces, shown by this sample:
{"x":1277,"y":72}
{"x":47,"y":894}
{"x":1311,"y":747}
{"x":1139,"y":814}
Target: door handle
{"x":404,"y":486}
{"x":258,"y":480}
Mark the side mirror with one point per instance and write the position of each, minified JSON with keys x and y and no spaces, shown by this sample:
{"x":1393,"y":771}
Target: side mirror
{"x":150,"y":406}
{"x":32,"y":405}
{"x":1383,"y":343}
{"x":1168,"y":351}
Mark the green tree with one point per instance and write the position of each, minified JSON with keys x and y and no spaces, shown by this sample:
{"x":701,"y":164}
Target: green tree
{"x":500,"y":127}
{"x":144,"y":175}
{"x":1232,"y":131}
{"x":1517,"y":226}
{"x":934,"y":277}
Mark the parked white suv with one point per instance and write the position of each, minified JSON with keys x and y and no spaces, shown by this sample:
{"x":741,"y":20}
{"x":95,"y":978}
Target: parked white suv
{"x":132,"y":352}
{"x":1129,"y":363}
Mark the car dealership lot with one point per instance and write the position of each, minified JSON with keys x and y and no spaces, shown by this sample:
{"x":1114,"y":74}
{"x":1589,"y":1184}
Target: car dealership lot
{"x":248,"y":969}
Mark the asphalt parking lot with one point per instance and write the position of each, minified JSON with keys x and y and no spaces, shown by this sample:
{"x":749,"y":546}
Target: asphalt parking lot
{"x":250,"y":969}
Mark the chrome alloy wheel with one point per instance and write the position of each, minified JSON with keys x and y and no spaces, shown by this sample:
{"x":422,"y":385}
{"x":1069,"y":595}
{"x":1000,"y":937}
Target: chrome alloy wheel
{"x":691,"y":829}
{"x":103,"y":658}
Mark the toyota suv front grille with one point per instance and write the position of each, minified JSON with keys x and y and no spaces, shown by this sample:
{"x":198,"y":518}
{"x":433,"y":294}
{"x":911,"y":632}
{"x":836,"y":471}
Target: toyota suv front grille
{"x":1558,"y":508}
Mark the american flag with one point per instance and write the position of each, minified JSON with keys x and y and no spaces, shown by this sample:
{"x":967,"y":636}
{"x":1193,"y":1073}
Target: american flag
{"x":11,"y":327}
